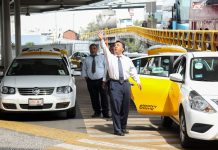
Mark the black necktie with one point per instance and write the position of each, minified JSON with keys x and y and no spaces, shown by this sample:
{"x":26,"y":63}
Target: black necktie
{"x":120,"y":68}
{"x":93,"y":64}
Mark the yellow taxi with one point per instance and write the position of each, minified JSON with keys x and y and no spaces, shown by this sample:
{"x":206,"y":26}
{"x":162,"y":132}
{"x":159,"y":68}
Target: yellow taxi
{"x":154,"y":71}
{"x":78,"y":57}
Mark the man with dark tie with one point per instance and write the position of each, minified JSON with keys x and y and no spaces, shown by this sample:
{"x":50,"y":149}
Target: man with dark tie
{"x":120,"y":68}
{"x":93,"y":71}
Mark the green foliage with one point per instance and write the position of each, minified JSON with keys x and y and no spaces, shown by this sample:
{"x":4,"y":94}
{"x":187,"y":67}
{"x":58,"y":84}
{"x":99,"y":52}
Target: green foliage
{"x":135,"y":45}
{"x":100,"y":23}
{"x":137,"y":23}
{"x":29,"y":44}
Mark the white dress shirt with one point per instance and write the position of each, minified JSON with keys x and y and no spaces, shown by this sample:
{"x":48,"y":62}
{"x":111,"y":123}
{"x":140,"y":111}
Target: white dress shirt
{"x":112,"y":65}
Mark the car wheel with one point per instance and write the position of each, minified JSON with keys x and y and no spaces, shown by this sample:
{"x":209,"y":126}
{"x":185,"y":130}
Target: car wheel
{"x":71,"y":113}
{"x":184,"y":138}
{"x":167,"y":122}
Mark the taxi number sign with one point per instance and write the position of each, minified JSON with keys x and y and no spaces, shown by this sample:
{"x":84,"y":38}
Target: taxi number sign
{"x":35,"y":102}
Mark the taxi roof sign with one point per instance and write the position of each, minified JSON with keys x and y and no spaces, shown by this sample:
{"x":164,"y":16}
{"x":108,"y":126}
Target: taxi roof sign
{"x":41,"y":51}
{"x":157,"y":49}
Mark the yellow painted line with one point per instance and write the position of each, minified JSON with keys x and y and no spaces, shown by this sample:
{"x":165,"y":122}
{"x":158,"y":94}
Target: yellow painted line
{"x":73,"y":138}
{"x":70,"y":147}
{"x":52,"y":133}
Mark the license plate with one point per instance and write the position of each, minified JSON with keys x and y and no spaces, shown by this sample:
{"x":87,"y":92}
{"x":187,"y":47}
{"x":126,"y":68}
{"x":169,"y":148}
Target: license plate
{"x":35,"y":102}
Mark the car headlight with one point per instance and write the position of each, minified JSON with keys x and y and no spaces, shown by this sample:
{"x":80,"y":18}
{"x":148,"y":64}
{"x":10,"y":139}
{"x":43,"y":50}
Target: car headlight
{"x":197,"y":102}
{"x":64,"y":89}
{"x":8,"y":90}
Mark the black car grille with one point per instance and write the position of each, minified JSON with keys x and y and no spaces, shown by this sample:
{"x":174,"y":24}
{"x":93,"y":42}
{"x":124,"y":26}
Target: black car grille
{"x":31,"y":91}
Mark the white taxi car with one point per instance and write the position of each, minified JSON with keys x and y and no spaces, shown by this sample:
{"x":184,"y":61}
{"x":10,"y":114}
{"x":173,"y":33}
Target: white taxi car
{"x":194,"y":89}
{"x":39,"y":81}
{"x":185,"y":93}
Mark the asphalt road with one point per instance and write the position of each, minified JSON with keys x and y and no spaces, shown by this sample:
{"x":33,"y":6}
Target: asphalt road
{"x":53,"y":131}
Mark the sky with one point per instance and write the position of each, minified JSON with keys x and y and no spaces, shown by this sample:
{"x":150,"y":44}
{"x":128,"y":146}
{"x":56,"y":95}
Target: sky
{"x":62,"y":21}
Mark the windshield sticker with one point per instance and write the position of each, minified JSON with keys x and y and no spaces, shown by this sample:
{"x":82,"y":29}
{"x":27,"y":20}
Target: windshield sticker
{"x":198,"y":76}
{"x":14,"y":64}
{"x":61,"y":72}
{"x":198,"y":66}
{"x":166,"y":61}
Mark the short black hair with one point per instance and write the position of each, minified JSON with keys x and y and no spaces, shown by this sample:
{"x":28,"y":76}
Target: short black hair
{"x":123,"y":44}
{"x":92,"y":45}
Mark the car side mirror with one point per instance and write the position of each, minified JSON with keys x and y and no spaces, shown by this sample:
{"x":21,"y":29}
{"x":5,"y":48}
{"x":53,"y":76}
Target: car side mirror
{"x":176,"y":77}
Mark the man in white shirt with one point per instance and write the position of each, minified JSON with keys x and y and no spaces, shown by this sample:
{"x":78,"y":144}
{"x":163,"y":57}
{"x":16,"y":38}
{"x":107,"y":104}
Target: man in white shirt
{"x":93,"y":70}
{"x":120,"y":68}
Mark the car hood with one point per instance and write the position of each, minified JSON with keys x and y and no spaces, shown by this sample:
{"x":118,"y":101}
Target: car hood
{"x":36,"y":81}
{"x":205,"y":88}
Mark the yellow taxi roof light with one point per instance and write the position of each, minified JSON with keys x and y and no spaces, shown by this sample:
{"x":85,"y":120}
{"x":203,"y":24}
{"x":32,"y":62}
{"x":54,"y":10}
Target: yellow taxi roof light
{"x":157,"y":49}
{"x":41,"y":51}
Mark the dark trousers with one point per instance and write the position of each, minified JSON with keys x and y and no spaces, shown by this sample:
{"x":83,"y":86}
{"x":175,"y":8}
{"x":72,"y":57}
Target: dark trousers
{"x":120,"y":101}
{"x":95,"y":88}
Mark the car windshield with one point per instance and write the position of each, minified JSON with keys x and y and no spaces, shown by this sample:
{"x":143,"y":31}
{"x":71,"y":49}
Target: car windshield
{"x":38,"y":67}
{"x":204,"y":69}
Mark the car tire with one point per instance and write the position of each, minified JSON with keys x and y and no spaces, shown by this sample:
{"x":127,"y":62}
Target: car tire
{"x":184,"y":138}
{"x":167,"y":122}
{"x":71,"y":113}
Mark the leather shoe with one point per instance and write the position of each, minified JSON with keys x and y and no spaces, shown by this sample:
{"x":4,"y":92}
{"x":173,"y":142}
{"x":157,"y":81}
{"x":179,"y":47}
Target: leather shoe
{"x":96,"y":115}
{"x":125,"y":131}
{"x":119,"y":133}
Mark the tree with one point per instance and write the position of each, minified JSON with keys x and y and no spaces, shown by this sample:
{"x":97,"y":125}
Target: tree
{"x":100,"y":23}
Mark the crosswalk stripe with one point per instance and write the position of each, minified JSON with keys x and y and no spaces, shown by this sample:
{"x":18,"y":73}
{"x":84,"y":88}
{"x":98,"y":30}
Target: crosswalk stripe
{"x":170,"y":146}
{"x":150,"y":140}
{"x":74,"y":147}
{"x":127,"y":135}
{"x":113,"y":145}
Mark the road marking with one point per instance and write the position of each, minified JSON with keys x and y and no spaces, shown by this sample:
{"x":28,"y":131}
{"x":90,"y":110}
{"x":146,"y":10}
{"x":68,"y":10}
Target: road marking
{"x":113,"y":145}
{"x":130,"y":135}
{"x":150,"y":140}
{"x":73,"y":147}
{"x":170,"y":146}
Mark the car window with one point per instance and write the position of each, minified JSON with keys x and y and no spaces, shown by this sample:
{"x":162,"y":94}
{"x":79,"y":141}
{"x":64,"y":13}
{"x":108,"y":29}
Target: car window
{"x":77,"y":54}
{"x":181,"y":67}
{"x":84,"y":54}
{"x":140,"y":64}
{"x":204,"y":69}
{"x":38,"y":67}
{"x":176,"y":64}
{"x":156,"y":66}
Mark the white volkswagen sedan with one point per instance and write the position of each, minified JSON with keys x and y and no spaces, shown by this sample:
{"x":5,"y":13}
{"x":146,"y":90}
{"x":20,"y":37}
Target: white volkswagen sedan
{"x":194,"y":89}
{"x":39,"y":81}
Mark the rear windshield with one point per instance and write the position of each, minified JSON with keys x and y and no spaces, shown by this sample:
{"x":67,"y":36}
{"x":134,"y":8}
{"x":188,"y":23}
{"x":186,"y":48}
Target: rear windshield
{"x":38,"y":67}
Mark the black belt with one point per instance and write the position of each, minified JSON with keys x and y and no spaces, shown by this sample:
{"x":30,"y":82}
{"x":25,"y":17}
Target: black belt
{"x":120,"y":81}
{"x":94,"y":79}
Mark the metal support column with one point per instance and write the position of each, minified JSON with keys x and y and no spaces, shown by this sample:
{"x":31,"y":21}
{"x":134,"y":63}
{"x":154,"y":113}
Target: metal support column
{"x":2,"y":39}
{"x":17,"y":27}
{"x":7,"y":33}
